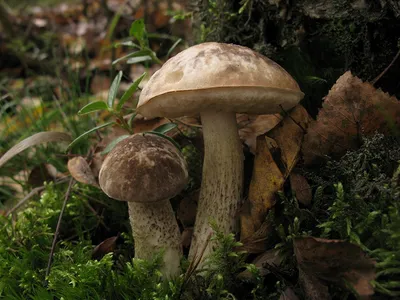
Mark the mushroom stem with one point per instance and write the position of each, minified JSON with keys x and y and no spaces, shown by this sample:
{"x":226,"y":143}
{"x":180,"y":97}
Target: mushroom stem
{"x":155,"y":228}
{"x":222,"y":179}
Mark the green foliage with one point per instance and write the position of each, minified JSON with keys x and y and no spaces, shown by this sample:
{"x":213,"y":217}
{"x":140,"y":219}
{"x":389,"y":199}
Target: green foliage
{"x":357,"y":198}
{"x":219,"y":278}
{"x":25,"y":244}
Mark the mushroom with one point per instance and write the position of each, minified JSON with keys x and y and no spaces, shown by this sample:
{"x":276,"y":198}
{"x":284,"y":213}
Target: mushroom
{"x":146,"y":170}
{"x":218,"y":80}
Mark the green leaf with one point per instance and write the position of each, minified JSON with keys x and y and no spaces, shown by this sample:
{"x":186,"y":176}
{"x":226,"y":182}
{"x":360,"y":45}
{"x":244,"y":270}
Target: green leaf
{"x":132,"y":117}
{"x":130,"y":91}
{"x":135,"y":60}
{"x":114,"y":89}
{"x":173,"y":47}
{"x":113,"y":24}
{"x":133,"y":54}
{"x":138,"y":30}
{"x":164,"y":128}
{"x":165,"y":137}
{"x":79,"y":138}
{"x":92,"y":106}
{"x":111,"y":145}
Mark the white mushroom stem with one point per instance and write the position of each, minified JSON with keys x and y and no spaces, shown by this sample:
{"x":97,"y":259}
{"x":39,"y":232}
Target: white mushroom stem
{"x":155,"y":228}
{"x":222,"y":181}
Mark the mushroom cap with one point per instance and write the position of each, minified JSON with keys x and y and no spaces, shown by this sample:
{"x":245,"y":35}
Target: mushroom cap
{"x":143,"y":168}
{"x":219,"y":77}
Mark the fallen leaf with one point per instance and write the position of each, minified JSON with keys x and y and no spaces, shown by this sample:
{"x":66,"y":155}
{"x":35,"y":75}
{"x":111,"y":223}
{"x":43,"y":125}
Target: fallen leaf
{"x":288,"y":294}
{"x":252,"y":126}
{"x":335,"y":261}
{"x":314,"y":288}
{"x":289,"y":135}
{"x":266,"y":180}
{"x":106,"y":246}
{"x":81,"y":171}
{"x":351,"y":109}
{"x":270,"y":257}
{"x":301,"y":188}
{"x":276,"y":154}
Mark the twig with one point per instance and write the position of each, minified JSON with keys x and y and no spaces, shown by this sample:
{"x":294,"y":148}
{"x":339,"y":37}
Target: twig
{"x":386,"y":69}
{"x":31,"y":193}
{"x":53,"y":246}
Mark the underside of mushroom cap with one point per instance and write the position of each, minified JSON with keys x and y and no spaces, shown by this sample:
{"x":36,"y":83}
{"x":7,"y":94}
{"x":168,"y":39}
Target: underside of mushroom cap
{"x":143,"y":168}
{"x":222,"y":77}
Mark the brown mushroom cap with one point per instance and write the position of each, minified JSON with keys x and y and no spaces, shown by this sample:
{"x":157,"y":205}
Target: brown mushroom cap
{"x":221,"y":77}
{"x":143,"y":168}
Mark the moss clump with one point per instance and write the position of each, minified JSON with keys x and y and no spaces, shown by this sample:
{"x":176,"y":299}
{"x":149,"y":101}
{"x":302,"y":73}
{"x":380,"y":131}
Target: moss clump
{"x":356,"y":198}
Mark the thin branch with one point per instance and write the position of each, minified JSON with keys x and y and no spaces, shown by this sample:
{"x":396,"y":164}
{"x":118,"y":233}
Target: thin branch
{"x":53,"y":246}
{"x":32,"y":193}
{"x":387,"y":68}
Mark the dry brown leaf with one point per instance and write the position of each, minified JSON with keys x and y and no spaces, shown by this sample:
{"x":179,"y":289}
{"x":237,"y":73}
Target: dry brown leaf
{"x":269,"y":257}
{"x":301,"y":188}
{"x":81,"y":172}
{"x":106,"y":246}
{"x":258,"y":241}
{"x":314,"y":288}
{"x":288,"y":294}
{"x":335,"y":261}
{"x":351,"y":109}
{"x":266,"y":180}
{"x":252,"y":126}
{"x":276,"y":155}
{"x":289,"y":135}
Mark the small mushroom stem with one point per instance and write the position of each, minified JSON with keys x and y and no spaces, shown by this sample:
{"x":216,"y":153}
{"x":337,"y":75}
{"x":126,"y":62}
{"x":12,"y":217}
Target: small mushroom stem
{"x":154,"y":228}
{"x":222,"y":179}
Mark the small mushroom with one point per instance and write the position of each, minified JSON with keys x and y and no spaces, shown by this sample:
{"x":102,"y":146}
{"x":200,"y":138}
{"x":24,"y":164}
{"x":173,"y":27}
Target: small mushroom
{"x":147,"y":170}
{"x":218,"y":80}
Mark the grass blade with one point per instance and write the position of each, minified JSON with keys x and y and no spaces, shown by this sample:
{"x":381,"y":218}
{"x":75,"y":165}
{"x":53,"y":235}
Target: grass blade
{"x":173,"y":47}
{"x":36,"y":139}
{"x":74,"y":142}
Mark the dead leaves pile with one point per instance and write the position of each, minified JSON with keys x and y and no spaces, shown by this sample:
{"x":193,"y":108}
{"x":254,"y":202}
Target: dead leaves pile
{"x":337,"y":261}
{"x":352,"y":108}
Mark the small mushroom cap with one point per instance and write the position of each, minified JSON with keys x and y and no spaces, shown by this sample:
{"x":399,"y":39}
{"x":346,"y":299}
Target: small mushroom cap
{"x":143,"y":168}
{"x":220,"y":77}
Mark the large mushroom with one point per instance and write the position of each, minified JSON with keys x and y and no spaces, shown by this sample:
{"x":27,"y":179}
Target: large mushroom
{"x":147,"y":170}
{"x":218,"y":80}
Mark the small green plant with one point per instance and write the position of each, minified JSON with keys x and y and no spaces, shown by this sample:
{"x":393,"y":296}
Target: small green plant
{"x":116,"y":109}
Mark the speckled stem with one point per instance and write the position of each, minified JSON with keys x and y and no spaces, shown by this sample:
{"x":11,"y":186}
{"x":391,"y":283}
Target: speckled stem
{"x":222,"y":182}
{"x":154,"y":227}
